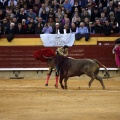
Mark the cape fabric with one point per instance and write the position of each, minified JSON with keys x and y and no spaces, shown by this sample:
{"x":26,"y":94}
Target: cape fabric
{"x":47,"y":52}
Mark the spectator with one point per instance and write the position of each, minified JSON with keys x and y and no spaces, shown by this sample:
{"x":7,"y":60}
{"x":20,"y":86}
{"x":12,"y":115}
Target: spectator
{"x":114,"y":29}
{"x":83,"y":32}
{"x":11,"y":29}
{"x":84,"y":15}
{"x":30,"y":4}
{"x":44,"y":16}
{"x":98,"y":28}
{"x":107,"y":28}
{"x":117,"y":15}
{"x":86,"y":21}
{"x":12,"y":3}
{"x":51,"y":14}
{"x":3,"y":4}
{"x":37,"y":4}
{"x":102,"y":18}
{"x":67,"y":5}
{"x":43,"y":7}
{"x":91,"y":28}
{"x":47,"y":29}
{"x":51,"y":22}
{"x":59,"y":14}
{"x":58,"y":29}
{"x":21,"y":15}
{"x":95,"y":14}
{"x":55,"y":6}
{"x":106,"y":12}
{"x":5,"y":25}
{"x":67,"y":21}
{"x":77,"y":23}
{"x":16,"y":10}
{"x":66,"y":29}
{"x":38,"y":29}
{"x":39,"y":20}
{"x":31,"y":14}
{"x":110,"y":7}
{"x":2,"y":15}
{"x":19,"y":29}
{"x":75,"y":16}
{"x":76,"y":6}
{"x":73,"y":28}
{"x":30,"y":29}
{"x":36,"y":9}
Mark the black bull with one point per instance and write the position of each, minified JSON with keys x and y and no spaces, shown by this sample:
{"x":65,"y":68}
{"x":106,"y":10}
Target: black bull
{"x":70,"y":67}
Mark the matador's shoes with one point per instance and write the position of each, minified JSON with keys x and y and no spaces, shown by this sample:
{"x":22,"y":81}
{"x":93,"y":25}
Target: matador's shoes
{"x":46,"y":84}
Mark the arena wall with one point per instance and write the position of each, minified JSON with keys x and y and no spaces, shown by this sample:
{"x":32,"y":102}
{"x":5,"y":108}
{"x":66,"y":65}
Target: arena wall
{"x":16,"y":57}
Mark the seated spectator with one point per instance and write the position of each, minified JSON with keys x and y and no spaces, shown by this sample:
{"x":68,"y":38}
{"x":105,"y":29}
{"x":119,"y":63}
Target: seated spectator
{"x":16,"y":10}
{"x":58,"y":29}
{"x":107,"y":28}
{"x":36,"y":9}
{"x":39,"y":21}
{"x":67,"y":5}
{"x":102,"y":18}
{"x":95,"y":14}
{"x":3,"y":4}
{"x":82,"y":31}
{"x":14,"y":20}
{"x":73,"y":28}
{"x":59,"y":14}
{"x":43,"y":7}
{"x":47,"y":29}
{"x":66,"y":29}
{"x":84,"y":15}
{"x":67,"y":21}
{"x":19,"y":29}
{"x":75,"y":16}
{"x":91,"y":28}
{"x":12,"y":2}
{"x":76,"y":6}
{"x":5,"y":24}
{"x":98,"y":28}
{"x":51,"y":14}
{"x":77,"y":23}
{"x":64,"y":17}
{"x":44,"y":16}
{"x":2,"y":15}
{"x":86,"y":21}
{"x":115,"y":29}
{"x":55,"y":6}
{"x":30,"y":29}
{"x":51,"y":22}
{"x":57,"y":21}
{"x":21,"y":15}
{"x":38,"y":29}
{"x":31,"y":14}
{"x":11,"y":29}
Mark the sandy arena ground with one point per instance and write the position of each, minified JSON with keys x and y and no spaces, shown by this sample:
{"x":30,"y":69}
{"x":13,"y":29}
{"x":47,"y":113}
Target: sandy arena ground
{"x":22,"y":99}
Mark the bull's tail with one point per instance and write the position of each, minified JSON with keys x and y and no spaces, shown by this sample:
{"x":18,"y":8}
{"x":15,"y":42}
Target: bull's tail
{"x":106,"y":71}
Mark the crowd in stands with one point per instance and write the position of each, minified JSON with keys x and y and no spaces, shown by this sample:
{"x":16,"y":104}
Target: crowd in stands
{"x":59,"y":16}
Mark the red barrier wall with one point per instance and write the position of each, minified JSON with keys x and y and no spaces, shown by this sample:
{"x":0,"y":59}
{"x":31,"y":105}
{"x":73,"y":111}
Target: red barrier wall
{"x":22,"y":56}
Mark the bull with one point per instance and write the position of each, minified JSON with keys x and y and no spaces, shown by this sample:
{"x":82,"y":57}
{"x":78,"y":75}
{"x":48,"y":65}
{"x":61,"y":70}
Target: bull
{"x":70,"y":67}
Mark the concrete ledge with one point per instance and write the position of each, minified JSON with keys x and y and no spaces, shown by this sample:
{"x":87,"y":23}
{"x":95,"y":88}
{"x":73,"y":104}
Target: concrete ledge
{"x":44,"y":69}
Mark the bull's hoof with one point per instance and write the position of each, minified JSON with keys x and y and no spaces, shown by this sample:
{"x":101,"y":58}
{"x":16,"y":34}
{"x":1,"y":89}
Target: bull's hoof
{"x":103,"y":88}
{"x":65,"y":87}
{"x":62,"y":87}
{"x":46,"y":84}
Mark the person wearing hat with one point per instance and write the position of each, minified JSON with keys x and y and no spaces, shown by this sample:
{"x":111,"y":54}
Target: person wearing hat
{"x":62,"y":51}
